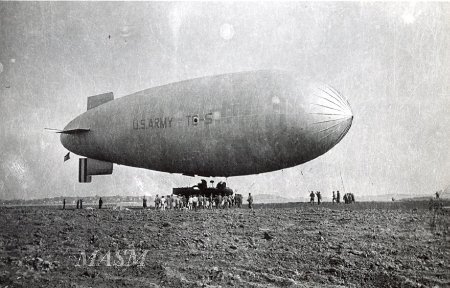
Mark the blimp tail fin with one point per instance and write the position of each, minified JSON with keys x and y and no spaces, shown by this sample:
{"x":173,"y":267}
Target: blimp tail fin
{"x":89,"y":167}
{"x":97,"y":100}
{"x":74,"y":131}
{"x":70,"y":131}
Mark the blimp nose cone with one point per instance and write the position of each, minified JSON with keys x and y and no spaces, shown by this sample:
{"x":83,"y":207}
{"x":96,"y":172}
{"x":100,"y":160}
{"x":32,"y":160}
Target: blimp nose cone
{"x":331,"y":114}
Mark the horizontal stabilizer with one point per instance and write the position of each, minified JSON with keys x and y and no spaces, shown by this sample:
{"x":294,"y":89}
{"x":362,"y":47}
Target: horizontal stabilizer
{"x":97,"y":100}
{"x":74,"y":131}
{"x":70,"y":131}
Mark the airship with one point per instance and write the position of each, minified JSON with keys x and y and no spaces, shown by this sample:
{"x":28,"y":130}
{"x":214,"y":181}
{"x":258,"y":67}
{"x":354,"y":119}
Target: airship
{"x":215,"y":126}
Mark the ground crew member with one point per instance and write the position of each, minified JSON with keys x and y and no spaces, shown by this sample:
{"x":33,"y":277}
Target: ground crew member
{"x":157,"y":202}
{"x":195,"y":202}
{"x":100,"y":203}
{"x":334,"y":197}
{"x":250,"y":201}
{"x":200,"y":201}
{"x":225,"y":201}
{"x":78,"y":204}
{"x":338,"y":197}
{"x":311,"y":197}
{"x":219,"y":201}
{"x":239,"y":200}
{"x":163,"y":203}
{"x":64,"y":204}
{"x":144,"y":202}
{"x":319,"y":197}
{"x":190,"y":203}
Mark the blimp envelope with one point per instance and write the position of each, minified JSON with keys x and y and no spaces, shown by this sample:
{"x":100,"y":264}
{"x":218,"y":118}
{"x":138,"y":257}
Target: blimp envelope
{"x":224,"y":125}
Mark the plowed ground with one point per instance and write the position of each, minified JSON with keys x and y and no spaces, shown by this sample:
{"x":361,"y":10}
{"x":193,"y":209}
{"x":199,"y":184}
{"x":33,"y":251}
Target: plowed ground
{"x":298,"y":245}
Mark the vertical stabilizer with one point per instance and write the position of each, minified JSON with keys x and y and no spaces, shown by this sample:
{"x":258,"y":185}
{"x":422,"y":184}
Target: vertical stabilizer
{"x":97,"y":100}
{"x":89,"y":167}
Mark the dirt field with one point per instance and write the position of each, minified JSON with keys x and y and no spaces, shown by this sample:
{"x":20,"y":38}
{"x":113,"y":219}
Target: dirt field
{"x":359,"y":245}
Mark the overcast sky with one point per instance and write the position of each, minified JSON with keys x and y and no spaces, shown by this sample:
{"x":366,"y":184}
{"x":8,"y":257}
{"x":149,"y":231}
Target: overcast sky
{"x":391,"y":60}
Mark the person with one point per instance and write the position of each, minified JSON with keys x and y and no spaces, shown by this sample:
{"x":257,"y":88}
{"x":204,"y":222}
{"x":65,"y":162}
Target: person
{"x":225,"y":201}
{"x":168,"y":202}
{"x":163,"y":203}
{"x":200,"y":201}
{"x":338,"y":197}
{"x":219,"y":201}
{"x":345,"y":199}
{"x":100,"y":203}
{"x":250,"y":201}
{"x":202,"y":185}
{"x":64,"y":204}
{"x":334,"y":197}
{"x":173,"y":204}
{"x":221,"y":185}
{"x":81,"y":203}
{"x":311,"y":197}
{"x":176,"y":203}
{"x":195,"y":202}
{"x":190,"y":202}
{"x":144,"y":202}
{"x":78,"y":204}
{"x":157,"y":202}
{"x":185,"y":202}
{"x":210,"y":201}
{"x":239,"y":200}
{"x":319,"y":197}
{"x":437,"y":194}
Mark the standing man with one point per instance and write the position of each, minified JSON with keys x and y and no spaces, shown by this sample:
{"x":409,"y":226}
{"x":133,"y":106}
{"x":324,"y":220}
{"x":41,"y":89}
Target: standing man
{"x":157,"y":201}
{"x":64,"y":204}
{"x":225,"y":201}
{"x":319,"y":197}
{"x":338,"y":197}
{"x":100,"y":203}
{"x":81,"y":203}
{"x":311,"y":197}
{"x":250,"y":201}
{"x":163,"y":203}
{"x":172,"y":202}
{"x":334,"y":197}
{"x":195,"y":201}
{"x":144,"y":202}
{"x":78,"y":204}
{"x":219,"y":201}
{"x":190,"y":202}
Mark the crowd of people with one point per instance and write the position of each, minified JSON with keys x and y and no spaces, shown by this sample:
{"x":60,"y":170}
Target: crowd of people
{"x":219,"y":201}
{"x":336,"y":198}
{"x":195,"y":202}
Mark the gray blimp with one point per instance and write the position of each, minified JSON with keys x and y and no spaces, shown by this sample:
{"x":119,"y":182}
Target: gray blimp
{"x":223,"y":125}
